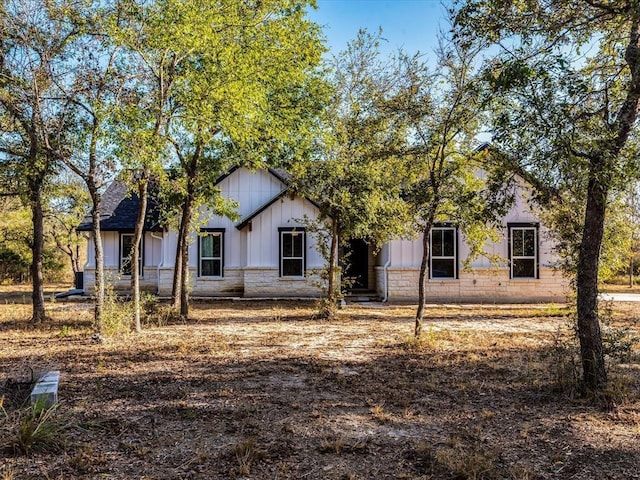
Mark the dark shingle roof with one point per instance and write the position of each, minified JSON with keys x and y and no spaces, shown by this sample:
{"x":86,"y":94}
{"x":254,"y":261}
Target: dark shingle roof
{"x":281,"y":174}
{"x":120,"y":210}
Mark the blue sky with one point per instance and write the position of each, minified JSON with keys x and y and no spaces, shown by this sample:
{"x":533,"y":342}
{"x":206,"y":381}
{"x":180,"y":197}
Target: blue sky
{"x":412,"y":25}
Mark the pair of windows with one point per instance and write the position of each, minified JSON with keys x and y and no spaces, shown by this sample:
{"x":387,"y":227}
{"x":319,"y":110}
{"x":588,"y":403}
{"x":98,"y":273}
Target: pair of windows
{"x":210,"y":258}
{"x":523,"y":251}
{"x":292,"y":245}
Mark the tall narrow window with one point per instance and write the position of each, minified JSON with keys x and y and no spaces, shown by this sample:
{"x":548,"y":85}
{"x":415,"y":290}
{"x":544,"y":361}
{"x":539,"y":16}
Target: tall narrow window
{"x":126,"y":247}
{"x":523,"y":251}
{"x":443,"y":258}
{"x":210,"y":263}
{"x":292,"y":248}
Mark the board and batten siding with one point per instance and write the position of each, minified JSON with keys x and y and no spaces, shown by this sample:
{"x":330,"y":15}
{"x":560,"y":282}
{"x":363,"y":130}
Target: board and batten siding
{"x":252,"y":255}
{"x":263,"y":247}
{"x":484,"y":281}
{"x":251,"y":189}
{"x":111,"y":253}
{"x":262,"y":273}
{"x":111,"y":250}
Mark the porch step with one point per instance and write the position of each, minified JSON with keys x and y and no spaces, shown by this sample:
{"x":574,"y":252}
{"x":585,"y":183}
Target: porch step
{"x":362,"y":297}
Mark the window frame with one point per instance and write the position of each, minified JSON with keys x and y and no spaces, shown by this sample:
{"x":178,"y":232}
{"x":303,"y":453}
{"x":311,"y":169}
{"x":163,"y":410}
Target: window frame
{"x":290,"y":230}
{"x":444,"y":226}
{"x":121,"y":257}
{"x":219,"y":232}
{"x":531,"y":226}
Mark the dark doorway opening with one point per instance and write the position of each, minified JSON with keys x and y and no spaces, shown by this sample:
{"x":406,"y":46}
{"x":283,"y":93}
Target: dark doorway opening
{"x":357,"y":259}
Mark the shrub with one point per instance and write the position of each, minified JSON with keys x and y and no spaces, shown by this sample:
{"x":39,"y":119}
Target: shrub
{"x":452,"y":459}
{"x":246,"y":453}
{"x":618,"y":343}
{"x":564,"y":362}
{"x":326,"y":309}
{"x":31,"y":429}
{"x":117,"y":313}
{"x":154,"y":313}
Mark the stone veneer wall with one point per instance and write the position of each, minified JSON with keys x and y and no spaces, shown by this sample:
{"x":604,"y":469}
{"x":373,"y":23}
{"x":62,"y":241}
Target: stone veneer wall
{"x":246,"y":281}
{"x":480,"y":285}
{"x":230,"y":284}
{"x":148,"y":282}
{"x":266,"y":282}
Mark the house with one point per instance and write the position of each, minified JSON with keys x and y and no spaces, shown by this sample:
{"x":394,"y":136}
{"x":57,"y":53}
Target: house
{"x":526,"y":273}
{"x":269,"y":253}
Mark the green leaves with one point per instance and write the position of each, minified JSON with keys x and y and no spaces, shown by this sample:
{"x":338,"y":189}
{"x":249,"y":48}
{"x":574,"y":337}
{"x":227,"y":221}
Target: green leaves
{"x":567,"y":103}
{"x":219,"y":84}
{"x":356,"y":171}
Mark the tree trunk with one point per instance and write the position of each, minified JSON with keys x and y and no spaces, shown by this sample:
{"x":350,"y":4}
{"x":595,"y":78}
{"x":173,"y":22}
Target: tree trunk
{"x":334,"y":285}
{"x":99,"y":272}
{"x":184,"y":242}
{"x":181,"y":270}
{"x":176,"y":289}
{"x":184,"y":279}
{"x":177,"y":274}
{"x":422,"y":279}
{"x":37,"y":249}
{"x":75,"y":259}
{"x":591,"y":352}
{"x":72,"y":259}
{"x":143,"y":184}
{"x":631,"y":272}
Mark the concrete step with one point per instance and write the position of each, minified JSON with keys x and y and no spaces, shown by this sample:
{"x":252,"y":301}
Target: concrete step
{"x":45,"y":391}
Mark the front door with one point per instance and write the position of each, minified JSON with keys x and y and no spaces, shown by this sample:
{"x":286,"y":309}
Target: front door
{"x":357,"y":264}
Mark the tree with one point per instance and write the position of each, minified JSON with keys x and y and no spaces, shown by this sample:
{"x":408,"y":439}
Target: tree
{"x":94,"y":85}
{"x":566,"y":84}
{"x":140,"y":149}
{"x":355,"y":173}
{"x":141,"y":123}
{"x":564,"y":215}
{"x":67,"y":204}
{"x":443,"y":112}
{"x":234,"y":85}
{"x":15,"y":240}
{"x":33,"y":45}
{"x":632,"y":211}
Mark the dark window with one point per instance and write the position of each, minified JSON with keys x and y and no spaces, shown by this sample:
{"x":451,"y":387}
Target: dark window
{"x":524,"y":251}
{"x":211,"y":253}
{"x":443,"y":252}
{"x":292,"y":247}
{"x":126,"y":247}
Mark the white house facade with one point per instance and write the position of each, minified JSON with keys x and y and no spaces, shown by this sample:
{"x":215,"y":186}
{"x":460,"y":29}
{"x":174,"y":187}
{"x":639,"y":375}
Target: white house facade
{"x":269,"y":253}
{"x":525,"y":272}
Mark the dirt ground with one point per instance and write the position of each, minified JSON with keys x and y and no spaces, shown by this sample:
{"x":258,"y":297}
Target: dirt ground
{"x":265,"y":391}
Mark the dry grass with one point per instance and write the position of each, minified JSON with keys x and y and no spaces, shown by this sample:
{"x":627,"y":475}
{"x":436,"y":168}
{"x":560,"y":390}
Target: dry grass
{"x":262,"y":391}
{"x":620,"y":284}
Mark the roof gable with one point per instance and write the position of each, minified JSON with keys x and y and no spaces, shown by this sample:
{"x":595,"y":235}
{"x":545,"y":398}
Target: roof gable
{"x":258,"y":211}
{"x":245,"y":221}
{"x":120,"y":205}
